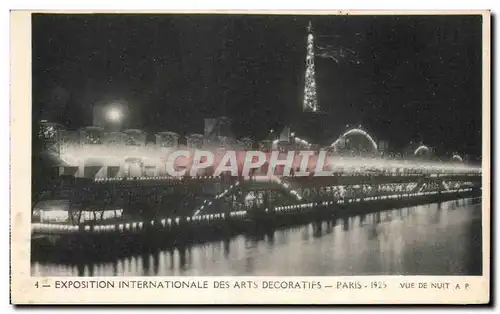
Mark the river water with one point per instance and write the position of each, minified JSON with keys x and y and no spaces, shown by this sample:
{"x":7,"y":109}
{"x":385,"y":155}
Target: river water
{"x":435,"y":239}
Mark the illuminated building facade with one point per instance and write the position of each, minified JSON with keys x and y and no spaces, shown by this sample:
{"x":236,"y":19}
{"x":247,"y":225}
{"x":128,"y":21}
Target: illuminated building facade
{"x":135,"y":137}
{"x":195,"y":141}
{"x":167,"y":139}
{"x":91,"y":135}
{"x":45,"y":214}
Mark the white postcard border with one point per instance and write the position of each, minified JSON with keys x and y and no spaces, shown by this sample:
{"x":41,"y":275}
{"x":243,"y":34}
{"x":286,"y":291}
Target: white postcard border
{"x":23,"y":286}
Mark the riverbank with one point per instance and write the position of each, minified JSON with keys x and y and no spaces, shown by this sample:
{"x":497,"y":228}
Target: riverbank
{"x":109,"y":245}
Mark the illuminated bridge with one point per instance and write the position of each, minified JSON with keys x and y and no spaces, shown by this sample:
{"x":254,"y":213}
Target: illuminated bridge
{"x":171,"y":206}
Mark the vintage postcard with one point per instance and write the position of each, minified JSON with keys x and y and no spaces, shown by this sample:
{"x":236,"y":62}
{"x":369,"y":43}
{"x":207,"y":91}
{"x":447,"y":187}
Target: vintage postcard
{"x":250,"y":157}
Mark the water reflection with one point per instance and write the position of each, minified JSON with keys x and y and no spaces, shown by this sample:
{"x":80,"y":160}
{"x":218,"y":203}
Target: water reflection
{"x":270,"y":239}
{"x":362,"y":218}
{"x":345,"y":224}
{"x":227,"y":247}
{"x":436,"y":239}
{"x":323,"y":229}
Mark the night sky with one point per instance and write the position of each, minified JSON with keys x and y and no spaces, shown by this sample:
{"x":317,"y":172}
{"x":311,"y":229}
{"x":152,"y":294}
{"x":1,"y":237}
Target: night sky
{"x":414,"y":79}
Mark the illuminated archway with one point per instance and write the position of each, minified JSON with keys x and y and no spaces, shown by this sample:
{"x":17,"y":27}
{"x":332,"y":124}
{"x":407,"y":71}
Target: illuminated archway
{"x":357,"y":132}
{"x":457,"y":157}
{"x":421,"y":149}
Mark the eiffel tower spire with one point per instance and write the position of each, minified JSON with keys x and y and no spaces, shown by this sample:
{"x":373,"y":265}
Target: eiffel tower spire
{"x":310,"y":99}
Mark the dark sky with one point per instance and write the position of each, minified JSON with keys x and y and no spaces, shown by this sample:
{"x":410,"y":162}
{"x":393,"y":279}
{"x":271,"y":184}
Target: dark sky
{"x":418,"y":78}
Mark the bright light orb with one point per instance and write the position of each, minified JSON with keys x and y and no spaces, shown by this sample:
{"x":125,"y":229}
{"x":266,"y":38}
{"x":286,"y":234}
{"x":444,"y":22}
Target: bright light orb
{"x":114,"y":115}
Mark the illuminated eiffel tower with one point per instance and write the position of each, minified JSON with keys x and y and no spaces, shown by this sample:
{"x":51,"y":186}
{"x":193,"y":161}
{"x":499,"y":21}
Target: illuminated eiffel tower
{"x":311,"y":123}
{"x":310,"y":95}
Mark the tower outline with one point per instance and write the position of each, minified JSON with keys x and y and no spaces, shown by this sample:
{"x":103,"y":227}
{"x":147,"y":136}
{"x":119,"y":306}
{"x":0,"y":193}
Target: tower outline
{"x":310,"y":90}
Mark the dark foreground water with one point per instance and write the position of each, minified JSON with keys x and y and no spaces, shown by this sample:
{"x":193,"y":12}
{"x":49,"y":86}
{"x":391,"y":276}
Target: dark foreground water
{"x":435,"y":239}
